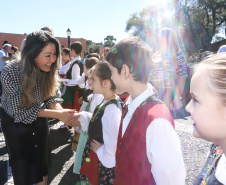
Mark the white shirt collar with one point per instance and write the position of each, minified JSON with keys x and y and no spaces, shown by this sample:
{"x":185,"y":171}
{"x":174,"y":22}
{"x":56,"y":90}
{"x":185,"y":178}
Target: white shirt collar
{"x":75,"y":59}
{"x":133,"y":104}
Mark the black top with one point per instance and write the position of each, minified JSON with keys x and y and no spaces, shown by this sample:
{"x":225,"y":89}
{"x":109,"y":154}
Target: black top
{"x":211,"y":179}
{"x":86,"y":93}
{"x":95,"y":125}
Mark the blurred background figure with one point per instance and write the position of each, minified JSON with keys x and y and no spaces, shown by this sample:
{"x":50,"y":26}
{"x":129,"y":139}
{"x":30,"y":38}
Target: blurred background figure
{"x":169,"y":70}
{"x":222,"y":49}
{"x":106,"y":51}
{"x":4,"y":57}
{"x":65,"y":62}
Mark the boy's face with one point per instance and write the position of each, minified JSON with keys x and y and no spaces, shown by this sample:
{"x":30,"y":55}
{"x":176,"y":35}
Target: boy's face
{"x":118,"y":80}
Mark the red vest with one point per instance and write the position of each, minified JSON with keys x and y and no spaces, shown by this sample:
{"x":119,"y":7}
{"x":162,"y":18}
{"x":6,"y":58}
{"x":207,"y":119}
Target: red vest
{"x":132,"y":165}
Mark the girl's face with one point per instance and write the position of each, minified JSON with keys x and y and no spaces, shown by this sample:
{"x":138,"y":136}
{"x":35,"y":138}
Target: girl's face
{"x":46,"y":57}
{"x":209,"y":116}
{"x":89,"y":75}
{"x":65,"y":57}
{"x":96,"y":84}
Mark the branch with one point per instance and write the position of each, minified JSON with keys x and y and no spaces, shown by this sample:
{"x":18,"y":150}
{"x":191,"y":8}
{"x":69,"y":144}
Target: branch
{"x":221,"y":22}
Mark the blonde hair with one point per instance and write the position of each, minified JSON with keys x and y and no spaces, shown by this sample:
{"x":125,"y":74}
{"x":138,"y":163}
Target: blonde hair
{"x":30,"y":74}
{"x":216,"y":70}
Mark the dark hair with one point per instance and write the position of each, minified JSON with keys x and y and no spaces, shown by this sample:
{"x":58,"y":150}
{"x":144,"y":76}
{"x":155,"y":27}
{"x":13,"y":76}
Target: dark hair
{"x":29,"y":71}
{"x":136,"y":54}
{"x":93,"y":55}
{"x":46,"y":28}
{"x":66,"y":50}
{"x":34,"y":44}
{"x":103,"y":72}
{"x":77,"y":46}
{"x":14,"y":48}
{"x":90,"y":62}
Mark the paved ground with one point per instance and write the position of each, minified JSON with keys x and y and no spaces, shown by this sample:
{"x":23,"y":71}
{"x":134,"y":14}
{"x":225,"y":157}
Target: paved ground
{"x":194,"y":152}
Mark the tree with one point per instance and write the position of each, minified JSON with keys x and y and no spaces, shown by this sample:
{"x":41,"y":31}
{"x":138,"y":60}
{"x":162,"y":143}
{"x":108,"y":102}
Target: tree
{"x":199,"y":20}
{"x":92,"y":47}
{"x":108,"y":41}
{"x":204,"y":20}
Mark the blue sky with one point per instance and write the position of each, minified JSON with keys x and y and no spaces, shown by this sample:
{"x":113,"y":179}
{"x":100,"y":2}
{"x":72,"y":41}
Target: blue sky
{"x":88,"y":19}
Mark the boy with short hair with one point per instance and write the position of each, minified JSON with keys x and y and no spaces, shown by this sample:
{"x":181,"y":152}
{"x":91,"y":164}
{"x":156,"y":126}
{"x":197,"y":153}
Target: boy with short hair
{"x":75,"y":71}
{"x":148,"y":148}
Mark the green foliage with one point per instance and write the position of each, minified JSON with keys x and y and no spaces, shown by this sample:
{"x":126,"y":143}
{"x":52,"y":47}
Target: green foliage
{"x":92,"y":47}
{"x":199,"y":20}
{"x":108,"y":41}
{"x":203,"y":20}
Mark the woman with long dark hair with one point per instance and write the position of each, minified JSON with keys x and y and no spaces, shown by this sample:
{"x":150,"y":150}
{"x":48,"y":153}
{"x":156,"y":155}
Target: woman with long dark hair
{"x":30,"y":95}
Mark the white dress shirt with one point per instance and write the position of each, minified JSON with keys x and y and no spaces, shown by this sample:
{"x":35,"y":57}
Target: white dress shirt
{"x":110,"y":126}
{"x":75,"y":74}
{"x":63,"y":69}
{"x":162,"y":145}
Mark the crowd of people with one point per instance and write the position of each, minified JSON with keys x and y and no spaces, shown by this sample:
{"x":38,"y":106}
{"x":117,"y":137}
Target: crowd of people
{"x":117,"y":142}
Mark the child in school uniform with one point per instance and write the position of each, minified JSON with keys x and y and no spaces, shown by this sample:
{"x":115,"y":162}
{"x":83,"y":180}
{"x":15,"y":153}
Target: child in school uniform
{"x":208,"y":110}
{"x":98,"y":161}
{"x":148,"y":148}
{"x":94,"y":100}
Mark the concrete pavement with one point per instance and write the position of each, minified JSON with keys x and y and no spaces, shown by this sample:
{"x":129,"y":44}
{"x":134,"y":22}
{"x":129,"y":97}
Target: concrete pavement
{"x":194,"y":153}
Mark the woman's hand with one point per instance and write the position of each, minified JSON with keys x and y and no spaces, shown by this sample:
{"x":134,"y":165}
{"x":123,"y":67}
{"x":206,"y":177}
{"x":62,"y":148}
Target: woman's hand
{"x":95,"y":145}
{"x":75,"y":119}
{"x":66,"y":116}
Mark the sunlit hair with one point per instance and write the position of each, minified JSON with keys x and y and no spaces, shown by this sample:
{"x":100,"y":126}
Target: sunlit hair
{"x":46,"y":28}
{"x":103,"y":72}
{"x":215,"y":66}
{"x":77,"y":47}
{"x":90,"y":62}
{"x":30,"y":74}
{"x":171,"y":39}
{"x":93,"y":55}
{"x":136,"y":54}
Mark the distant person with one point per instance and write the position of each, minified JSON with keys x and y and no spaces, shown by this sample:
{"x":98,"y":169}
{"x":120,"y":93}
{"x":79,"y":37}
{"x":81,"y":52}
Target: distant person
{"x":6,"y":42}
{"x":14,"y":49}
{"x":208,"y":110}
{"x":30,"y":96}
{"x":93,"y":55}
{"x":222,"y":49}
{"x":23,"y":42}
{"x":65,"y":60}
{"x":74,"y":90}
{"x":46,"y":28}
{"x":106,"y":51}
{"x":74,"y":72}
{"x":4,"y":57}
{"x":169,"y":70}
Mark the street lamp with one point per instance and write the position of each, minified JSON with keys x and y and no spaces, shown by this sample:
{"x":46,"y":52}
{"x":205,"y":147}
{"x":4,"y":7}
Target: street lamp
{"x":68,"y":36}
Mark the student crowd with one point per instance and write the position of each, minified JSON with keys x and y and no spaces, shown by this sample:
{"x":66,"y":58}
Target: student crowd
{"x":121,"y":107}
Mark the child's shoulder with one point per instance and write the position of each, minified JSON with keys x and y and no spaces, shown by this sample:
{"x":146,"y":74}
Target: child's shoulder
{"x":114,"y":103}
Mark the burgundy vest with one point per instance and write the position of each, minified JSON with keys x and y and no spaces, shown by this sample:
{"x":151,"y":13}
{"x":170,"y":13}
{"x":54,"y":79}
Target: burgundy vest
{"x":132,"y":165}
